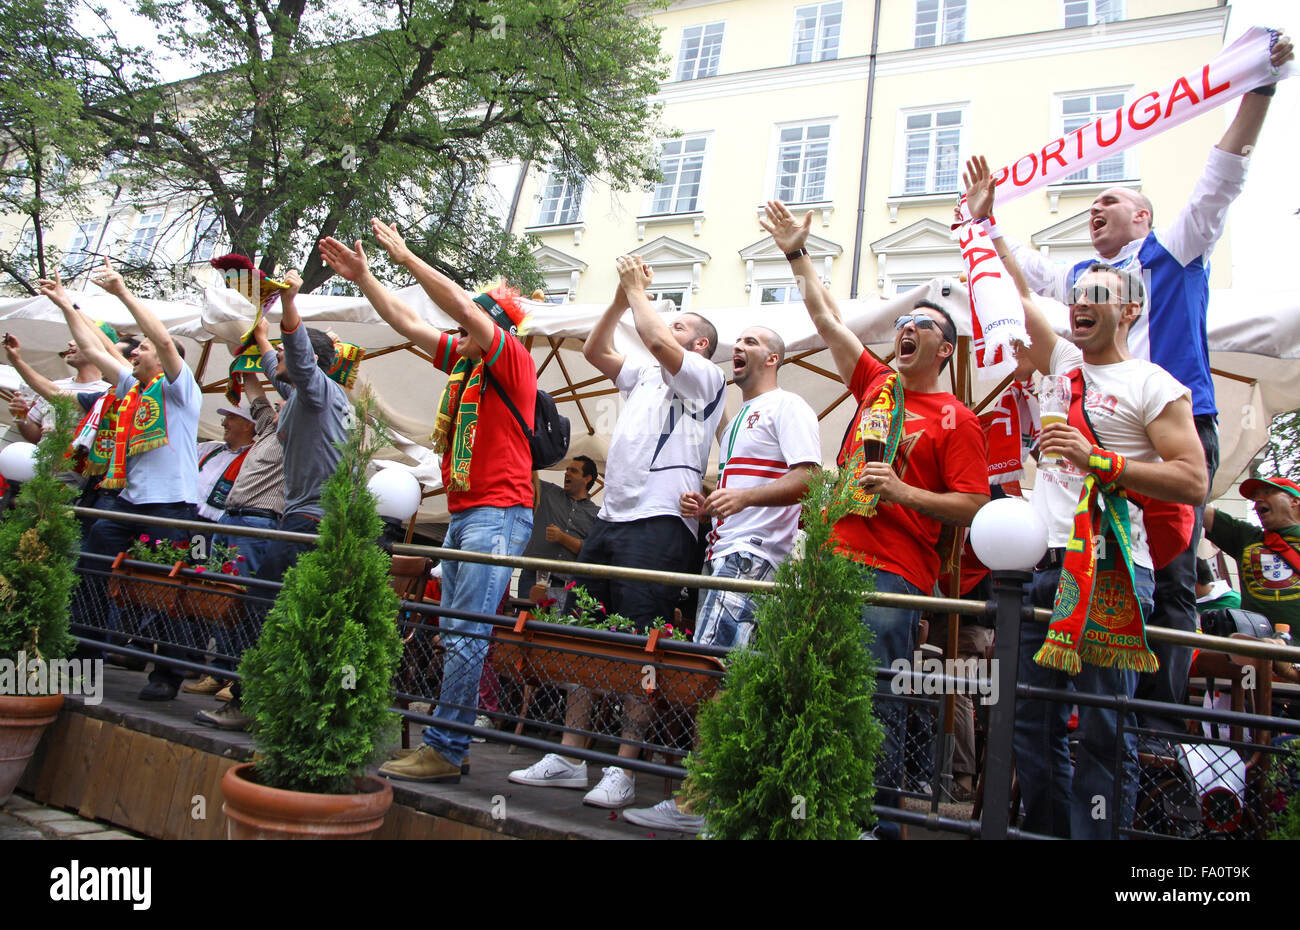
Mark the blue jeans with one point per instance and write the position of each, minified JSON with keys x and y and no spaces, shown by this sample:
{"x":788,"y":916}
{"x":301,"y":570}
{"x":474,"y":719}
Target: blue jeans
{"x":893,"y":637}
{"x":252,"y":549}
{"x":473,"y":587}
{"x":1082,"y":806}
{"x":726,"y":618}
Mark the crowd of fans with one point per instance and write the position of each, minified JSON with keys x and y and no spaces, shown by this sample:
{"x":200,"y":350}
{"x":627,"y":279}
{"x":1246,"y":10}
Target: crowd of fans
{"x":1134,"y":461}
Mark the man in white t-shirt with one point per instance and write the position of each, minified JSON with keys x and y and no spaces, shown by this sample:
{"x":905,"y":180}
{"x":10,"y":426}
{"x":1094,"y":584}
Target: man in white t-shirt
{"x":1141,"y":414}
{"x":768,"y":453}
{"x":659,"y":450}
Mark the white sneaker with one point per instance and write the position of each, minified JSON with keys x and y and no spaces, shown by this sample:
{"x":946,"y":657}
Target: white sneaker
{"x":616,"y":789}
{"x":664,"y":816}
{"x":554,"y":771}
{"x":482,"y":722}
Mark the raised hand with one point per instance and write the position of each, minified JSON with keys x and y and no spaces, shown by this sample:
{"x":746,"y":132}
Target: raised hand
{"x":108,"y":278}
{"x":788,"y":233}
{"x":351,"y":264}
{"x":1282,"y":52}
{"x":53,"y":289}
{"x":980,"y":188}
{"x":392,"y":241}
{"x":294,"y":280}
{"x":13,"y":350}
{"x":633,"y":274}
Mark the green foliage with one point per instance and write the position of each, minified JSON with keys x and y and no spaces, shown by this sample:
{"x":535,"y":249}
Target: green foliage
{"x":795,"y":722}
{"x":591,"y":614}
{"x":317,"y":682}
{"x":308,"y":118}
{"x":1282,"y":452}
{"x":39,"y":539}
{"x":1285,"y":824}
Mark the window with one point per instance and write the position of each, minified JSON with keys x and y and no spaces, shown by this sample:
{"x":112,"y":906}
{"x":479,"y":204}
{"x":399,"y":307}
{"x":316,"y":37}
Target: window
{"x":26,"y":248}
{"x":676,"y":295}
{"x":682,"y":165}
{"x":145,"y":235}
{"x":17,"y":179}
{"x":207,"y":232}
{"x":932,"y":156}
{"x":817,"y":33}
{"x":83,"y":244}
{"x":1082,"y":110}
{"x":561,"y":201}
{"x":1091,"y":12}
{"x":780,"y":294}
{"x":940,"y":22}
{"x":801,"y":158}
{"x":701,"y":50}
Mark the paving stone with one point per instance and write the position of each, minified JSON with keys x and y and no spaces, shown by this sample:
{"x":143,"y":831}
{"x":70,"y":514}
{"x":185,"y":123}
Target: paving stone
{"x":17,"y":802}
{"x":73,"y":827}
{"x":106,"y":835}
{"x":43,"y":815}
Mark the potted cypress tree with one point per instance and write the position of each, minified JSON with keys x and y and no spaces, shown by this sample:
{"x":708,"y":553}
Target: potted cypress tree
{"x":316,"y":684}
{"x":39,"y":538}
{"x":788,"y":749}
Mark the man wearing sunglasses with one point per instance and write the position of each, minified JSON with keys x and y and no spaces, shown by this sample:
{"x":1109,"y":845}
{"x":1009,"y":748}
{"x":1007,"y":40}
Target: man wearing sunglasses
{"x":930,"y":467}
{"x":1146,"y":442}
{"x":1174,"y":262}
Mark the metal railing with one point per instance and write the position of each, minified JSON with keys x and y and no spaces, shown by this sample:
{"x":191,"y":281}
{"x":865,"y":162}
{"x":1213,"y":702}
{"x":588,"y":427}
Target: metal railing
{"x":639,"y":694}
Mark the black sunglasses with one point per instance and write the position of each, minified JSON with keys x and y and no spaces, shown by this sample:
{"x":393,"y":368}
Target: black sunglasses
{"x":920,"y":319}
{"x":1092,"y":294}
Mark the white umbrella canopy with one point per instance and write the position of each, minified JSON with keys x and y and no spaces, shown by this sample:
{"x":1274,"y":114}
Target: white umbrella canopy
{"x":1254,"y":340}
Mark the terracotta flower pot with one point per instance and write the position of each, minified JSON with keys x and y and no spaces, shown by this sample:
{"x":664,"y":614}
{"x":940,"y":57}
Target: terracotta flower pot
{"x":22,"y":721}
{"x":256,"y":812}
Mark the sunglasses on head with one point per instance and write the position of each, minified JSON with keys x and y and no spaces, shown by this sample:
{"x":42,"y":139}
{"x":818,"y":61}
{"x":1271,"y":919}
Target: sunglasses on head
{"x":1093,"y":294}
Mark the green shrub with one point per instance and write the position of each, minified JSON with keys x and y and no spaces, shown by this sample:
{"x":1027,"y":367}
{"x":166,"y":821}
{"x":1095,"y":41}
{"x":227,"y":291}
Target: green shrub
{"x":788,"y":750}
{"x":316,"y":684}
{"x":39,"y":540}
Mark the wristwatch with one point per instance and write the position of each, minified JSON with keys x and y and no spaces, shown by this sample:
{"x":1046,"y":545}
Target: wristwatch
{"x":791,"y":256}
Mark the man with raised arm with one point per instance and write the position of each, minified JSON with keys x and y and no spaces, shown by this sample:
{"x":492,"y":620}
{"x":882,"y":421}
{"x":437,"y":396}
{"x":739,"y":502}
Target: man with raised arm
{"x":486,"y":468}
{"x":932,"y":468}
{"x":154,"y":460}
{"x":35,"y":421}
{"x":769,"y":450}
{"x":659,"y":451}
{"x":1130,"y":431}
{"x":1174,"y":264}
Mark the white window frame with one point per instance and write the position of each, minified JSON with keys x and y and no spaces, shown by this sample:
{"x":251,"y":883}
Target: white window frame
{"x":652,"y":195}
{"x":83,"y":239}
{"x":901,"y":148}
{"x":16,"y":182}
{"x":941,"y":32}
{"x":140,"y":249}
{"x":570,"y":189}
{"x":791,"y":286}
{"x":774,"y":159}
{"x":1115,"y":15}
{"x":1127,"y":159}
{"x":204,"y":223}
{"x":698,"y":66}
{"x":662,"y":291}
{"x":817,"y":51}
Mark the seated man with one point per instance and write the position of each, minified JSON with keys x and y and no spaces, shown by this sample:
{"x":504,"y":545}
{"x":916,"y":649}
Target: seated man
{"x":562,"y":518}
{"x":1268,"y":555}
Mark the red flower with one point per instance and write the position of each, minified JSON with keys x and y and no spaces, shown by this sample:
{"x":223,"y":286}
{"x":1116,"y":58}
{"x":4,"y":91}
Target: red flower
{"x":239,"y":558}
{"x":571,"y":585}
{"x":546,"y":603}
{"x":144,"y":538}
{"x":200,"y":568}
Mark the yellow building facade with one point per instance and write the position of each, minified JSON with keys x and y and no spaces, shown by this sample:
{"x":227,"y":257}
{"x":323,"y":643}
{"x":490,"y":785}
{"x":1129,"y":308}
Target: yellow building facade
{"x":772,"y":98}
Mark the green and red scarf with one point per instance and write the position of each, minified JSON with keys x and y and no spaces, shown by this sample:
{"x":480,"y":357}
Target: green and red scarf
{"x":141,"y":426}
{"x":1096,"y":617}
{"x":890,"y":400}
{"x":457,"y":420}
{"x":92,"y":442}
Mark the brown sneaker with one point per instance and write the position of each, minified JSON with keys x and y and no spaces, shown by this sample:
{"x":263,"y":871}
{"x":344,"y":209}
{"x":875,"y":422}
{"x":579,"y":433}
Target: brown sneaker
{"x":224,"y":694}
{"x":424,"y":764}
{"x":205,"y":685}
{"x":230,"y":717}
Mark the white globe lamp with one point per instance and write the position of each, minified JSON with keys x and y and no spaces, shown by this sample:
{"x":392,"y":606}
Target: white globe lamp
{"x":397,"y":493}
{"x":18,"y":461}
{"x":1007,"y":535}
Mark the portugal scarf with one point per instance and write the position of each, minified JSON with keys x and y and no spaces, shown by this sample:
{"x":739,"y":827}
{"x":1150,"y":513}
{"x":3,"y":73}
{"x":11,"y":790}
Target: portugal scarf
{"x":457,"y":419}
{"x":141,"y":426}
{"x":854,"y":456}
{"x":1096,"y":616}
{"x":92,"y":443}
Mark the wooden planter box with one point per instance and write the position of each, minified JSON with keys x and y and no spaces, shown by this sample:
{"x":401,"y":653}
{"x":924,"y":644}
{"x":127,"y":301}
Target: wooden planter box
{"x":157,"y":587}
{"x":675,"y":676}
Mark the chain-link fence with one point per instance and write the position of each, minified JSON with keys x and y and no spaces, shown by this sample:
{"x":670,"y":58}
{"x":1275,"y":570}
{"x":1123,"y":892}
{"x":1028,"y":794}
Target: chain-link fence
{"x":635,"y":698}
